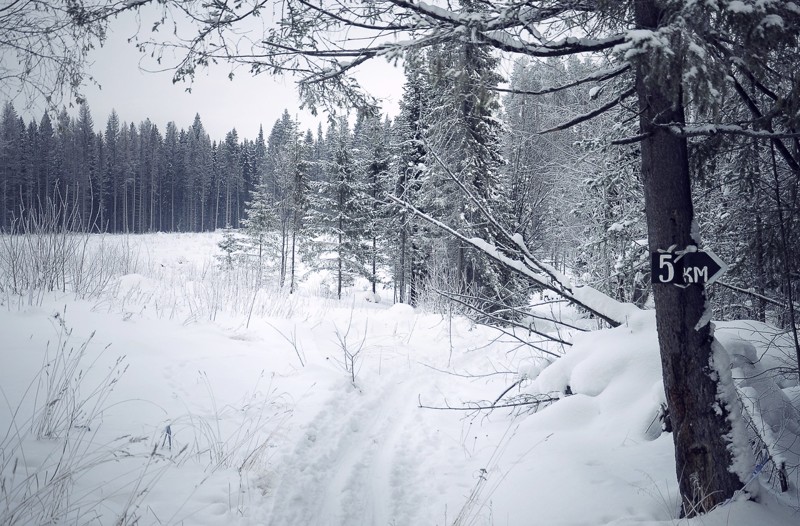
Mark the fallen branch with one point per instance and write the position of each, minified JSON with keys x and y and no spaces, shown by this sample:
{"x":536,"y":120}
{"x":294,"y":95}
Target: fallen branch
{"x":476,"y":407}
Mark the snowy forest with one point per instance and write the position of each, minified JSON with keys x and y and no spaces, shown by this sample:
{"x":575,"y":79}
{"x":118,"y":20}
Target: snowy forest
{"x":559,"y":286}
{"x":294,"y":184}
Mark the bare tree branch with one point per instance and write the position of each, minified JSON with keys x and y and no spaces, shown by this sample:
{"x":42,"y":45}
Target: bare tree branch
{"x":592,"y":114}
{"x":503,"y":321}
{"x":474,"y":406}
{"x":523,"y":267}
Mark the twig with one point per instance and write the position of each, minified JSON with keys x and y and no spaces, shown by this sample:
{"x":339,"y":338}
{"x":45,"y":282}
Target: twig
{"x":510,"y":387}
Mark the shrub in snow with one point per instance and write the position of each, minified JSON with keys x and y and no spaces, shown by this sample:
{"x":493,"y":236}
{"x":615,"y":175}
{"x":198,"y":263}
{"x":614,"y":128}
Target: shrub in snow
{"x":231,"y":248}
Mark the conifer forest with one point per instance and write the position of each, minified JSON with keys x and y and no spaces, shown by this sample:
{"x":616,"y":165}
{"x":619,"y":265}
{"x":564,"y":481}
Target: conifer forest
{"x":591,"y":209}
{"x":121,"y":177}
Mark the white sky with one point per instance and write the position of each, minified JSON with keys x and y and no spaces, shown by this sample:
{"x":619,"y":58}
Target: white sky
{"x":244,"y":103}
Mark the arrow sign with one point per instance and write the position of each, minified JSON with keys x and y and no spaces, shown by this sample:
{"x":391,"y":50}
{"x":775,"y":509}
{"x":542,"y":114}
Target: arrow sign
{"x":687,"y":268}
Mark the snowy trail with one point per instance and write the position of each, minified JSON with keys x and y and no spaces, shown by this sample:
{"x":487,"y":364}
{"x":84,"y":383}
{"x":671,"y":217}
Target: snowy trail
{"x":351,"y":462}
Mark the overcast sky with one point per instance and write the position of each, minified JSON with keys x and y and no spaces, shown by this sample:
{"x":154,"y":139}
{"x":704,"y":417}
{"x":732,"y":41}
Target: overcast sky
{"x":243,"y":103}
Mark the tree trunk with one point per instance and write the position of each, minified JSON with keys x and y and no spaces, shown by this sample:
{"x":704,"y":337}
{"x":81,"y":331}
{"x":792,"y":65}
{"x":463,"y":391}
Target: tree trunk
{"x":760,"y":266}
{"x":415,"y":287}
{"x":699,"y":420}
{"x":294,"y":250}
{"x":401,"y":263}
{"x":339,"y":263}
{"x":284,"y":246}
{"x":374,"y":266}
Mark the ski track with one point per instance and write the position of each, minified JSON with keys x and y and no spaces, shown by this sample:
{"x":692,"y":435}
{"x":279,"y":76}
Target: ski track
{"x":353,"y":461}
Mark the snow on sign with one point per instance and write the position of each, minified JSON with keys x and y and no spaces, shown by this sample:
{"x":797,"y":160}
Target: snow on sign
{"x":684,"y":268}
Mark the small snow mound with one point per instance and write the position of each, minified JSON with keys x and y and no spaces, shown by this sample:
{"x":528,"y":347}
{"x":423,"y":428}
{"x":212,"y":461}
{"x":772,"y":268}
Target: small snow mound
{"x":642,"y":321}
{"x":742,"y":352}
{"x":318,"y":283}
{"x":401,"y":309}
{"x":244,"y":336}
{"x":532,"y":369}
{"x":360,"y":283}
{"x":619,"y":369}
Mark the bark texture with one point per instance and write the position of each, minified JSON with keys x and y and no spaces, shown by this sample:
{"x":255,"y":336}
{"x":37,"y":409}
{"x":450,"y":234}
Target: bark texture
{"x":700,"y":432}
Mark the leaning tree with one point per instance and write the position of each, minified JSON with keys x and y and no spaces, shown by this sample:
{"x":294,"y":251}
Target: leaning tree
{"x":675,"y":63}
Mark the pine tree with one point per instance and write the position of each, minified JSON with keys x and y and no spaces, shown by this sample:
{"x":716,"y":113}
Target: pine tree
{"x":30,"y":175}
{"x":281,"y":161}
{"x":173,"y":177}
{"x":112,"y":170}
{"x":300,"y":199}
{"x":198,"y":165}
{"x":260,"y":223}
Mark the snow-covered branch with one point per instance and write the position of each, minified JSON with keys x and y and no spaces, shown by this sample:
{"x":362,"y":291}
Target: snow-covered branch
{"x":700,"y":130}
{"x":604,"y":307}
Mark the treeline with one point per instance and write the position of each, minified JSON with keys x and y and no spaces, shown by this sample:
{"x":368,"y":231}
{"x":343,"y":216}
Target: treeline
{"x":127,"y":177}
{"x":344,"y":197}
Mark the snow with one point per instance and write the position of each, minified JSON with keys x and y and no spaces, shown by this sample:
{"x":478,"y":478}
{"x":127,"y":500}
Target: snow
{"x":266,"y":426}
{"x":599,"y":302}
{"x":755,"y":349}
{"x":773,"y":21}
{"x":738,"y":445}
{"x":737,"y":6}
{"x":638,"y":41}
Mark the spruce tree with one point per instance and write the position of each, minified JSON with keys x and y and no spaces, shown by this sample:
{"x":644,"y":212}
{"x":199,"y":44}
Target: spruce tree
{"x":371,"y":153}
{"x":409,"y":140}
{"x":464,"y":135}
{"x":10,"y":164}
{"x":338,"y":214}
{"x":45,"y":156}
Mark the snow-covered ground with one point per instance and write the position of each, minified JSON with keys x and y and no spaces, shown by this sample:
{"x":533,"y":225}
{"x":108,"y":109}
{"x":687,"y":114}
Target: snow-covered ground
{"x":154,"y":402}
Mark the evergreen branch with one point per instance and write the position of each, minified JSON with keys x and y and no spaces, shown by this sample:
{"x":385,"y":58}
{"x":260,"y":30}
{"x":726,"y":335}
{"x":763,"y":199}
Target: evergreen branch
{"x":754,"y":109}
{"x":592,"y":114}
